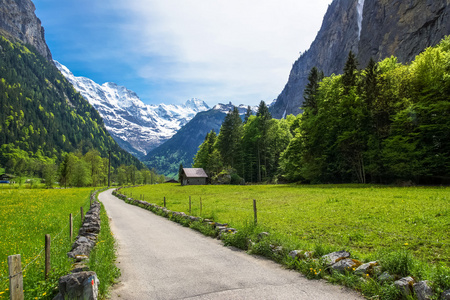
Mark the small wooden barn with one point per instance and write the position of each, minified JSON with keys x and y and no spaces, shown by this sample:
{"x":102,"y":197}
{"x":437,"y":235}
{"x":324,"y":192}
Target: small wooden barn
{"x":193,"y":176}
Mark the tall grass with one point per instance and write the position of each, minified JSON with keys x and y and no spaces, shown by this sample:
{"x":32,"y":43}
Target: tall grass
{"x":26,"y":215}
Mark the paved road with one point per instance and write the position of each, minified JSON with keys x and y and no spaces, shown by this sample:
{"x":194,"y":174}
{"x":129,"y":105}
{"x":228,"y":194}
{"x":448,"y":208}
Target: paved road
{"x":160,"y":259}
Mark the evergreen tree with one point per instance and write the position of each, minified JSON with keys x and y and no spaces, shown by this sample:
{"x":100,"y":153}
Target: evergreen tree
{"x":350,"y":73}
{"x":248,"y":113}
{"x":311,"y":89}
{"x":180,"y":172}
{"x":229,"y":139}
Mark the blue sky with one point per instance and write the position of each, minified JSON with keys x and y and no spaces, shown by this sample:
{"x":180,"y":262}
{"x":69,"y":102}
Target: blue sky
{"x":168,"y":51}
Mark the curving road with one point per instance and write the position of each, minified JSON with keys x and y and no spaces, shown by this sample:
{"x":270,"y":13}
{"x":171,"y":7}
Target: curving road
{"x":160,"y":259}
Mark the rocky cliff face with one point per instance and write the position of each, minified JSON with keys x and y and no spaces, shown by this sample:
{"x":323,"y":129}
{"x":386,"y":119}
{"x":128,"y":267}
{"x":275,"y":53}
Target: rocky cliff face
{"x":369,"y":28}
{"x":18,"y":21}
{"x":402,"y":28}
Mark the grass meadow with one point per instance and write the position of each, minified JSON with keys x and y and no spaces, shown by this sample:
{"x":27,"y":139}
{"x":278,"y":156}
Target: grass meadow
{"x":364,"y":219}
{"x":26,"y":215}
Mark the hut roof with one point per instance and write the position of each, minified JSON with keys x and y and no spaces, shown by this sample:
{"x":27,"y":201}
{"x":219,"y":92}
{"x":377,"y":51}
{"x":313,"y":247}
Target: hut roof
{"x":195,"y":173}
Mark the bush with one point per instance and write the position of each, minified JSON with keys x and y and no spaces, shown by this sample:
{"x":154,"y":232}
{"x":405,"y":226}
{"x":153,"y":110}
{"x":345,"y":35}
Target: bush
{"x":399,"y":263}
{"x":235,"y":179}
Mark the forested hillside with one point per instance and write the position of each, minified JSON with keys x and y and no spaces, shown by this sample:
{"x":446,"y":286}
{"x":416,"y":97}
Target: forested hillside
{"x":41,"y":115}
{"x":385,"y":123}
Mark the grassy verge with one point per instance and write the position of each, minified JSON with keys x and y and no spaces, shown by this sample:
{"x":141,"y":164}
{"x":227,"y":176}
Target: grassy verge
{"x":103,"y":256}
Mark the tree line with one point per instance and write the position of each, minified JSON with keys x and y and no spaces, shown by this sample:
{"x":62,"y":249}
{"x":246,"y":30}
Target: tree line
{"x":384,"y":123}
{"x":76,"y":170}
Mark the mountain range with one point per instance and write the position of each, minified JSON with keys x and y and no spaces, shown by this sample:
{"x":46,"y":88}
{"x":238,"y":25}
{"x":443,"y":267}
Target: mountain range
{"x":137,"y":127}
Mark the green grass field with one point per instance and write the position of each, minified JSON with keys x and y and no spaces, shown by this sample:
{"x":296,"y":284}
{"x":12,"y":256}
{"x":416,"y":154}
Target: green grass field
{"x":26,"y":215}
{"x":361,"y":218}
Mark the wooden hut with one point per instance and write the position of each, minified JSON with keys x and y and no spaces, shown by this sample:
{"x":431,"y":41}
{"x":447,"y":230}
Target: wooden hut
{"x":193,"y":176}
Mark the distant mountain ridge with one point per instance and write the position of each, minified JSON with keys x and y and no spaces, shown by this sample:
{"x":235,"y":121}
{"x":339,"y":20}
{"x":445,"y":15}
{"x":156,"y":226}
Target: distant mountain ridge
{"x":137,"y":127}
{"x":183,"y":146}
{"x":369,"y":28}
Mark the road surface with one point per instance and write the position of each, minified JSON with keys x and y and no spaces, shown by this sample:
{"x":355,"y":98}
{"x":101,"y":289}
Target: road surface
{"x":160,"y":259}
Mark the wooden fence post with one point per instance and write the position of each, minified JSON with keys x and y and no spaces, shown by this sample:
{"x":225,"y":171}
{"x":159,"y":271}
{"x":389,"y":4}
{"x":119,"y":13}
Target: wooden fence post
{"x":255,"y":211}
{"x":15,"y":277}
{"x":189,"y":204}
{"x":47,"y":255}
{"x":82,"y":214}
{"x":164,"y":201}
{"x":71,"y":227}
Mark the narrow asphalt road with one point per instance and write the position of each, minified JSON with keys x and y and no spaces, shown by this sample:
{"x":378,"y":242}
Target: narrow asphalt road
{"x":160,"y":259}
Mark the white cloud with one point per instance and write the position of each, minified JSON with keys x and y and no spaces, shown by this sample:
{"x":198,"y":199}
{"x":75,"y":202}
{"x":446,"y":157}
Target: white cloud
{"x":221,"y":49}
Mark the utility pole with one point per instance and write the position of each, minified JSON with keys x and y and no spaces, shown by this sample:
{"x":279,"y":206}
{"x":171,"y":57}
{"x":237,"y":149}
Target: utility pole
{"x":109,"y":170}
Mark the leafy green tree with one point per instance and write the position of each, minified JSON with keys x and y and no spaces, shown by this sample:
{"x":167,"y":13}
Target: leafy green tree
{"x":80,"y":173}
{"x":49,"y":173}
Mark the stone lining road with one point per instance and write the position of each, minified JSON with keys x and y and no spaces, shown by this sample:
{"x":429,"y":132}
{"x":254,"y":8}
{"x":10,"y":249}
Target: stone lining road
{"x":160,"y":259}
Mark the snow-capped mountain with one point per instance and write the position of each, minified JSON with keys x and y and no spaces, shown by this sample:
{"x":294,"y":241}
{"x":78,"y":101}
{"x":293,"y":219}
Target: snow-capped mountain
{"x":137,"y":127}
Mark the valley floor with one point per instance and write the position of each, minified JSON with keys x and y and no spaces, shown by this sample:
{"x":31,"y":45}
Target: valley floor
{"x":160,"y":259}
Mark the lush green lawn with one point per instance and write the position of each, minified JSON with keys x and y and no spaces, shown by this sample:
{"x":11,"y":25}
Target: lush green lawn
{"x":361,"y":218}
{"x":26,"y":215}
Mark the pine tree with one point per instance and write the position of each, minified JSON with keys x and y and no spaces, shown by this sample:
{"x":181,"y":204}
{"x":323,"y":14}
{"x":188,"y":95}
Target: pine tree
{"x":350,"y":72}
{"x":310,"y":92}
{"x":248,"y":113}
{"x":229,"y":139}
{"x":180,"y":172}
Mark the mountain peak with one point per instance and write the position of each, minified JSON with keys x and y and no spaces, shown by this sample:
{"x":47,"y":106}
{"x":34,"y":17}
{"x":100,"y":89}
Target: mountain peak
{"x":196,"y":104}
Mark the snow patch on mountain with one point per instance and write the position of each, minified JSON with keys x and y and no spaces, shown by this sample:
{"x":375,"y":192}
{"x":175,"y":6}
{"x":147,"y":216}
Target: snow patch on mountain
{"x":136,"y":126}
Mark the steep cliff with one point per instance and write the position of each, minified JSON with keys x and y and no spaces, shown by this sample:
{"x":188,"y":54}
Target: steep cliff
{"x":19,"y":22}
{"x":370,"y":28}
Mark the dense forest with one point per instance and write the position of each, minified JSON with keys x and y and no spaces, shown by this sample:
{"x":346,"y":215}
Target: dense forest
{"x":385,"y":123}
{"x":43,"y":118}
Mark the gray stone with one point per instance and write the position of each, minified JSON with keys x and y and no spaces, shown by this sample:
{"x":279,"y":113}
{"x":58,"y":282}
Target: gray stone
{"x":262,"y":235}
{"x":301,"y":254}
{"x":423,"y":290}
{"x":445,"y":295}
{"x":366,"y":268}
{"x":343,"y":265}
{"x":81,"y":285}
{"x":385,"y":277}
{"x":404,"y":285}
{"x":294,"y":253}
{"x":276,"y":249}
{"x":333,"y":257}
{"x":221,"y":228}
